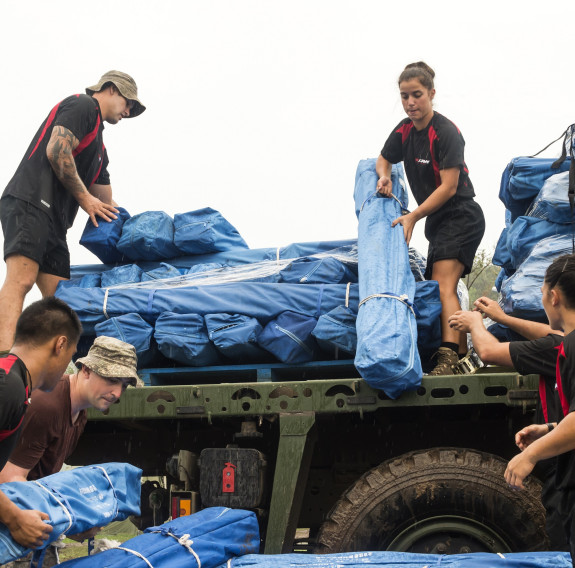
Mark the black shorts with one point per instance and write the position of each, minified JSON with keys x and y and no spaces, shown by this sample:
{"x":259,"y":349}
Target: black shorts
{"x":32,"y":233}
{"x":455,"y":231}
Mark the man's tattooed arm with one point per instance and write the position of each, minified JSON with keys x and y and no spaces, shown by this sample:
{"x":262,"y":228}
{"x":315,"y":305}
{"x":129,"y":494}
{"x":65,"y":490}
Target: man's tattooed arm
{"x":60,"y":154}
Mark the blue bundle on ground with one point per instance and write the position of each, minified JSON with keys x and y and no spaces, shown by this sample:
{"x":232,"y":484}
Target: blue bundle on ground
{"x":203,"y":540}
{"x":75,"y":500}
{"x":387,"y":356}
{"x":388,"y":559}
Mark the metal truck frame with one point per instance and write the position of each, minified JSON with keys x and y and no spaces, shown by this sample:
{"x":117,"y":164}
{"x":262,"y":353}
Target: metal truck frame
{"x":349,"y":467}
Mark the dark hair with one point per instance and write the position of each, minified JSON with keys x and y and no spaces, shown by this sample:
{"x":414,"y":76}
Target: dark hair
{"x":45,"y":319}
{"x":561,"y":274}
{"x":418,"y":70}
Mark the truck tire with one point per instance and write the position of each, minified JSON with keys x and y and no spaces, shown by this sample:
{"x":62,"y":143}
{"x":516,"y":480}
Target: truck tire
{"x":442,"y":500}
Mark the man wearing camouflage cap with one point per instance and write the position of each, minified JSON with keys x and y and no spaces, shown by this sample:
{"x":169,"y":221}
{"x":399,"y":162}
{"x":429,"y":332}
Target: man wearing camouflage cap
{"x":64,"y":168}
{"x":55,"y":420}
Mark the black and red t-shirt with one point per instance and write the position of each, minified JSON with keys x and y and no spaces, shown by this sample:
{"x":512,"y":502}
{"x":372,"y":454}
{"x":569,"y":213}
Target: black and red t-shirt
{"x":13,"y":403}
{"x":35,"y":181}
{"x":552,"y":357}
{"x":426,"y":152}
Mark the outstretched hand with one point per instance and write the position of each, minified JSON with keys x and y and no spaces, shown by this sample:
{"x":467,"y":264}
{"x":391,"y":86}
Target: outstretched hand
{"x":29,"y":529}
{"x":408,"y":223}
{"x":489,"y":308}
{"x":96,"y":208}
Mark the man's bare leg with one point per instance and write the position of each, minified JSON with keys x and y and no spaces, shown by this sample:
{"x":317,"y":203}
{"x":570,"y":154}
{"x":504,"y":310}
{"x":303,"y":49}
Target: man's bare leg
{"x":21,"y":274}
{"x":47,"y":283}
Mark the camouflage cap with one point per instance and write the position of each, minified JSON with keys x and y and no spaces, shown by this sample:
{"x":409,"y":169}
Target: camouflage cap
{"x":125,"y":84}
{"x":111,"y":358}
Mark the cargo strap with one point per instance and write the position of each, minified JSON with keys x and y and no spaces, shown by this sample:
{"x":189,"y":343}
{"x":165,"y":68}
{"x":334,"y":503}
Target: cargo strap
{"x":404,"y":210}
{"x":469,"y":364}
{"x":65,"y":508}
{"x":404,"y":299}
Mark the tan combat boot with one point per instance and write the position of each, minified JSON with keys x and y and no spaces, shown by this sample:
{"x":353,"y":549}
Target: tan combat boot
{"x":445,"y":359}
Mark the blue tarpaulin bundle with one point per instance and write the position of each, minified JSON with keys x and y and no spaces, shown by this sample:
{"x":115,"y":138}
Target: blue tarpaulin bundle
{"x":235,"y":336}
{"x":184,"y":338}
{"x":165,"y":270}
{"x":203,"y":540}
{"x":552,"y":202}
{"x":389,"y":559}
{"x":132,"y":329}
{"x":335,"y":331}
{"x":102,"y":240}
{"x":521,"y":293}
{"x":87,"y":281}
{"x":259,"y":300}
{"x":288,"y":337}
{"x":522,"y":180}
{"x":75,"y":500}
{"x":205,"y":230}
{"x":387,"y":356}
{"x":148,"y":236}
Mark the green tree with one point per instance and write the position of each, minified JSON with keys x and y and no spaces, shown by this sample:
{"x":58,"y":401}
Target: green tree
{"x":481,"y":279}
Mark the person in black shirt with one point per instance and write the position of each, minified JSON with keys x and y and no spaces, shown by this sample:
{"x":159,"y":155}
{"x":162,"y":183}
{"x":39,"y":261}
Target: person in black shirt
{"x":431,"y":148}
{"x":47,"y":333}
{"x":65,"y":167}
{"x":553,"y":355}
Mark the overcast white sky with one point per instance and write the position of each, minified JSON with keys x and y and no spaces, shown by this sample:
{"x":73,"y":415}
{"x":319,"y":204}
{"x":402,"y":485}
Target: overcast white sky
{"x":262,"y":109}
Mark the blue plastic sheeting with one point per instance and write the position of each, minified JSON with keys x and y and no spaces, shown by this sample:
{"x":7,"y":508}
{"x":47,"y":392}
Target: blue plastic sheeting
{"x":428,"y":310}
{"x":165,"y":270}
{"x":203,"y":540}
{"x":127,"y":274}
{"x":86,"y":281}
{"x":235,"y":336}
{"x":335,"y":331}
{"x":148,"y":236}
{"x":521,"y":293}
{"x":261,"y":301}
{"x":526,"y":232}
{"x":132,"y":329}
{"x":552,"y":202}
{"x":102,"y":240}
{"x":390,"y":559}
{"x":501,"y":255}
{"x":205,"y":230}
{"x":289,"y":338}
{"x":386,"y":356}
{"x":522,"y":180}
{"x":310,"y":270}
{"x":184,"y":338}
{"x":75,"y":500}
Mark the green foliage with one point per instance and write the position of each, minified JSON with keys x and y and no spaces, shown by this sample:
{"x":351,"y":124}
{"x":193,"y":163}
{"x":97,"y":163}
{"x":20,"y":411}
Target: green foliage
{"x":481,"y":279}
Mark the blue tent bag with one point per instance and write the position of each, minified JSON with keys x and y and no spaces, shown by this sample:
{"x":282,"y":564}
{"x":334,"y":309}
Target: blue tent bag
{"x":521,"y":293}
{"x":132,"y":329}
{"x":391,"y":559}
{"x":184,"y":338}
{"x":205,"y":230}
{"x":235,"y":336}
{"x":526,"y":232}
{"x":93,"y":280}
{"x":205,"y":539}
{"x":102,"y":240}
{"x":148,"y":236}
{"x":164,"y":271}
{"x":428,"y":312}
{"x":501,"y":255}
{"x":387,"y":356}
{"x":522,"y":180}
{"x":310,"y":270}
{"x":126,"y":274}
{"x":552,"y":202}
{"x":75,"y":500}
{"x":335,"y":331}
{"x":289,"y":338}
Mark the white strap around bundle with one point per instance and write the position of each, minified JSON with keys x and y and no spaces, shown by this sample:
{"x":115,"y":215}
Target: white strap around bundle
{"x":105,"y":306}
{"x":64,"y":508}
{"x":403,"y":299}
{"x":186,"y":542}
{"x":136,"y":554}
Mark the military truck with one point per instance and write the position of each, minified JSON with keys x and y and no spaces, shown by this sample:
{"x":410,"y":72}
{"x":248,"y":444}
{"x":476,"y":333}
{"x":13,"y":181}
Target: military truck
{"x":329,"y":463}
